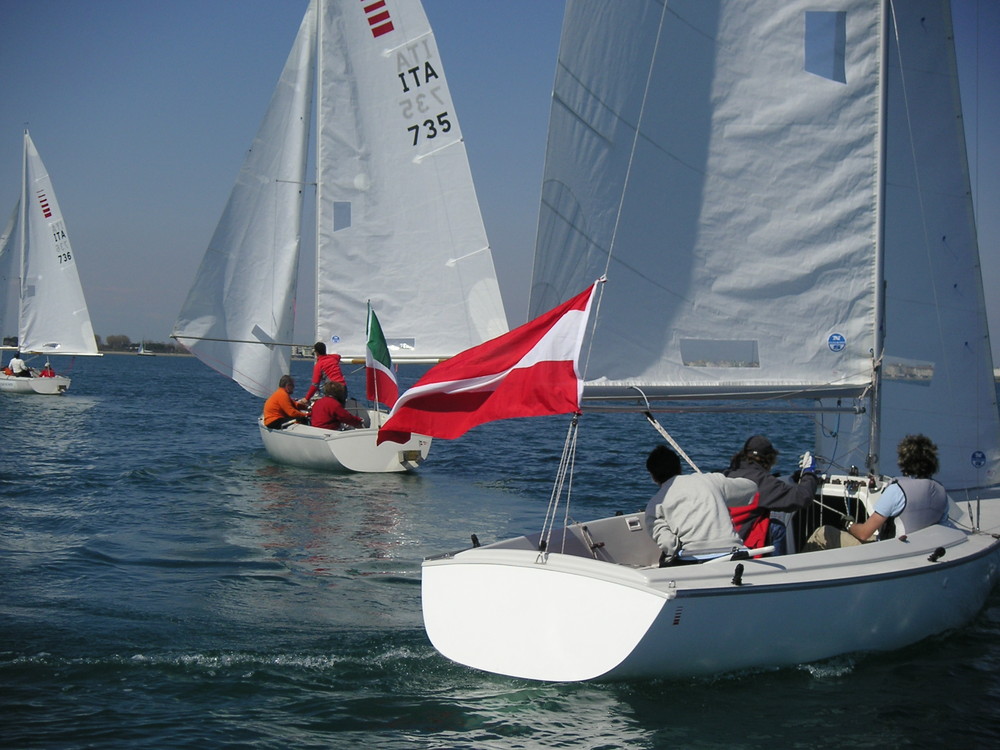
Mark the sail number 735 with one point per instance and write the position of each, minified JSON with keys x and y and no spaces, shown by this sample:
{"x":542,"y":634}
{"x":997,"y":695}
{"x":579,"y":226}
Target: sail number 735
{"x":430,"y":127}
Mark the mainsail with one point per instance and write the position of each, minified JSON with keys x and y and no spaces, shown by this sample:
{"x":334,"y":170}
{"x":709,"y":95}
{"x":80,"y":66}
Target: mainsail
{"x":397,"y":218}
{"x":735,"y":211}
{"x":748,"y":183}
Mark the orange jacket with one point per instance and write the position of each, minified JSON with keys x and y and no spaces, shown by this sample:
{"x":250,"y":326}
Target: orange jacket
{"x":279,"y":405}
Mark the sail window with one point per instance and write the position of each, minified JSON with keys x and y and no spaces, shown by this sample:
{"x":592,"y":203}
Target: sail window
{"x":719,"y":353}
{"x":396,"y":345}
{"x":917,"y":372}
{"x":341,"y":215}
{"x":826,"y":44}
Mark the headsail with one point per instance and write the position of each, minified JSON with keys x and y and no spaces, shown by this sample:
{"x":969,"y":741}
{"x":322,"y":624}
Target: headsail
{"x":238,"y":316}
{"x":53,"y":315}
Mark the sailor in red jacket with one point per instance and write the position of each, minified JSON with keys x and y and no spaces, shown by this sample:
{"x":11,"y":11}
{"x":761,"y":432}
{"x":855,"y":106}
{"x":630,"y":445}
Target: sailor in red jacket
{"x":329,"y":412}
{"x":328,"y":365}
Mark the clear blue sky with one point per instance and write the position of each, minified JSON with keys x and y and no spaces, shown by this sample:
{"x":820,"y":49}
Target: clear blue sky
{"x":142,"y":111}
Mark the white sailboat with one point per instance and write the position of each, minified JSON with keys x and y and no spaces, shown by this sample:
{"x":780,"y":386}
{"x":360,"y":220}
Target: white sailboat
{"x":780,"y":199}
{"x":397,"y":223}
{"x":52,"y":312}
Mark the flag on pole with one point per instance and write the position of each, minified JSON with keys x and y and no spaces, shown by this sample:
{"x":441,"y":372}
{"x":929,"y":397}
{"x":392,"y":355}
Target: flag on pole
{"x":530,"y":371}
{"x":380,"y":380}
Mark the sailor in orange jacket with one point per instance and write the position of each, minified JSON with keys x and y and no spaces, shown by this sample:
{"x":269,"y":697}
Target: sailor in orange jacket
{"x":280,"y":409}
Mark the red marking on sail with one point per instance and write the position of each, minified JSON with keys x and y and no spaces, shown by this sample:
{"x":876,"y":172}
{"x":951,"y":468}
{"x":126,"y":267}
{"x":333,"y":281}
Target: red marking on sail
{"x":44,"y":202}
{"x":378,"y":18}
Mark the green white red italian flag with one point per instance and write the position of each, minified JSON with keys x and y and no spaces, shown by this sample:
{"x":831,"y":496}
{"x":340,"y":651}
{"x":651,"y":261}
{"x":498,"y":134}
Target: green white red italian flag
{"x":380,"y":380}
{"x":528,"y":372}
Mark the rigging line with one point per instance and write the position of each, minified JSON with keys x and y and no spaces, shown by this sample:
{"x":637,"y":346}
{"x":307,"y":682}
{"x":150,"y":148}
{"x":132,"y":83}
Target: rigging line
{"x":570,"y":471}
{"x":553,"y":498}
{"x":569,"y":447}
{"x":635,"y":139}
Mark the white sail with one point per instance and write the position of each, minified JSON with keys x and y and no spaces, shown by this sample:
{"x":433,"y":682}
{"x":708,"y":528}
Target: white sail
{"x":742,"y":226}
{"x":53,"y":312}
{"x":239,"y":313}
{"x":937,"y":376}
{"x":399,"y":223}
{"x":743,"y":252}
{"x":397,"y":218}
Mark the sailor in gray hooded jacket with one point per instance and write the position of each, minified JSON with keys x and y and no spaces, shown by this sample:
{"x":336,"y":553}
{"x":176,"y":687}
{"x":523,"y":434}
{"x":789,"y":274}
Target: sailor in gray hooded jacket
{"x":691,"y":512}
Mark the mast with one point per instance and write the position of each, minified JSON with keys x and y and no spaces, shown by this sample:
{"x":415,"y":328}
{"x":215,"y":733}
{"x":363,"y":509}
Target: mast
{"x":319,"y":156}
{"x":878,"y":330}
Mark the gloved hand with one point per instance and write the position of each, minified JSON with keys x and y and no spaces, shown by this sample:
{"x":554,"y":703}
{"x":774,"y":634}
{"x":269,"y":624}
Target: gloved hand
{"x":807,"y":462}
{"x":846,"y":521}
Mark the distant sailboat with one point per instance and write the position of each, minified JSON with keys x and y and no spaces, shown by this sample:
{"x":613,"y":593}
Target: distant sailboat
{"x":397,"y":223}
{"x":52,"y":312}
{"x":143,"y":352}
{"x":780,"y":200}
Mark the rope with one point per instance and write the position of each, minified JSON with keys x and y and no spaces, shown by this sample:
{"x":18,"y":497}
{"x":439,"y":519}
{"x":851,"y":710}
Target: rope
{"x":566,"y":464}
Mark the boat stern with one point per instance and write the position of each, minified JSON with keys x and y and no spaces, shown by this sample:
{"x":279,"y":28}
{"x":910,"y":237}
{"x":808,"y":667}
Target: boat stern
{"x":54,"y":386}
{"x":523,"y":614}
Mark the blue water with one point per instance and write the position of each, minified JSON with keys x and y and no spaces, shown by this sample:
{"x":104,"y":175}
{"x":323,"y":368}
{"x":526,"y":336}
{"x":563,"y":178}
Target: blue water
{"x":164,"y":585}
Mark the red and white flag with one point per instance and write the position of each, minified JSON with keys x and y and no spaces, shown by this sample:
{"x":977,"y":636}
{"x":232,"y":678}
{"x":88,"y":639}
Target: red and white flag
{"x":531,"y":371}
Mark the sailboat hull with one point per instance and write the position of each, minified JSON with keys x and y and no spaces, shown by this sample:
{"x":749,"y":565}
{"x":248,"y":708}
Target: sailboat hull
{"x":343,"y":451}
{"x":511,"y":610}
{"x":34,"y":386}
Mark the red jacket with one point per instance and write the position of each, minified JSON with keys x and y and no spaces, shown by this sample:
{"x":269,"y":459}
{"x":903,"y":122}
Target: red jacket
{"x":329,"y":414}
{"x":329,"y":365}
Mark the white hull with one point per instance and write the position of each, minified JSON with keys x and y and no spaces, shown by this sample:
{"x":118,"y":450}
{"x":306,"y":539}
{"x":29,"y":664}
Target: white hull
{"x":39,"y":386}
{"x":609,"y":612}
{"x":346,"y":450}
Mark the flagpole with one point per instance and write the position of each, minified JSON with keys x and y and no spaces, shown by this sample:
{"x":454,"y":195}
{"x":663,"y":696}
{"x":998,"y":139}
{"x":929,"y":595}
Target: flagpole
{"x":368,"y":353}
